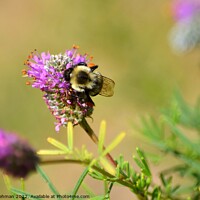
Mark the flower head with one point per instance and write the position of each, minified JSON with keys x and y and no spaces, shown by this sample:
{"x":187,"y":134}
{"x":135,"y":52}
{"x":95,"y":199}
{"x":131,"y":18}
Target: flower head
{"x":17,"y":158}
{"x":47,"y":72}
{"x":185,"y":9}
{"x":185,"y":35}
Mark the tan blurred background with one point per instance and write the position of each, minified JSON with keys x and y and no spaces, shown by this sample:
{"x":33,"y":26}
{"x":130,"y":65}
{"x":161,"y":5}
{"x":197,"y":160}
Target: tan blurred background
{"x":128,"y":40}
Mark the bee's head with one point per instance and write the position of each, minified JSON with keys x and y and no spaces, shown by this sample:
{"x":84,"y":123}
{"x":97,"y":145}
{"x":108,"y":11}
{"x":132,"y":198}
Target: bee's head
{"x":67,"y":72}
{"x":82,"y":77}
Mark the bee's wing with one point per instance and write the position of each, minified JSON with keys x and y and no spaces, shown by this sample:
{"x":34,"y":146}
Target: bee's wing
{"x":107,"y":89}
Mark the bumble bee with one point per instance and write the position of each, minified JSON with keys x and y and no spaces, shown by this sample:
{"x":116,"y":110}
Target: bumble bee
{"x":84,"y":79}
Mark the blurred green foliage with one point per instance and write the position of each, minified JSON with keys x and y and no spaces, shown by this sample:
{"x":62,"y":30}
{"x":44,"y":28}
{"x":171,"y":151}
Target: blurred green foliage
{"x":176,"y":133}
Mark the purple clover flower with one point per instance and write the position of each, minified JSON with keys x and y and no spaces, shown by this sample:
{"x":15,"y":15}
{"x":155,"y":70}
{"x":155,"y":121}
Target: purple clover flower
{"x":185,"y":9}
{"x":17,"y":158}
{"x":47,"y":72}
{"x":185,"y":35}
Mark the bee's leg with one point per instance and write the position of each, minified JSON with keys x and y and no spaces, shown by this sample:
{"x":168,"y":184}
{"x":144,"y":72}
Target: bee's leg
{"x":86,"y":97}
{"x":90,"y":100}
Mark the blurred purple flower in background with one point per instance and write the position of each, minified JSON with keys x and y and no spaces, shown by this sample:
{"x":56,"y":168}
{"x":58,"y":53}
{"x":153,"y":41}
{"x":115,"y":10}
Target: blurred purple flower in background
{"x":47,"y":72}
{"x":17,"y":158}
{"x":185,"y":9}
{"x":185,"y":34}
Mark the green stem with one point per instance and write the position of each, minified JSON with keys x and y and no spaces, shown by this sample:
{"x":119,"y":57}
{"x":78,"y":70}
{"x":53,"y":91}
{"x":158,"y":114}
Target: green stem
{"x":105,"y":187}
{"x":109,"y":190}
{"x":23,"y":187}
{"x":111,"y":178}
{"x":95,"y":139}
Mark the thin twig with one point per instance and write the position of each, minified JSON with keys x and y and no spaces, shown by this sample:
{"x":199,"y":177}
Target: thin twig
{"x":84,"y":162}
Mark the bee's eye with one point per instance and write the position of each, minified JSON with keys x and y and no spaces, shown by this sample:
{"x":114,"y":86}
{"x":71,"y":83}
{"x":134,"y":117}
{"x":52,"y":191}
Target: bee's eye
{"x":67,"y":73}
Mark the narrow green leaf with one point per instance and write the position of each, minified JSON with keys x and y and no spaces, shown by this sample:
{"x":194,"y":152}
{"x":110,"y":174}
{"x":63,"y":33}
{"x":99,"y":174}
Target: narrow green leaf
{"x":160,"y":144}
{"x":51,"y":152}
{"x":7,"y":181}
{"x":8,"y":184}
{"x":187,"y":142}
{"x":152,"y":129}
{"x":194,"y":164}
{"x":146,"y":167}
{"x":143,"y":159}
{"x":118,"y":171}
{"x":155,"y":158}
{"x":156,"y":194}
{"x":175,"y":189}
{"x":102,"y":133}
{"x":184,"y":190}
{"x":78,"y":184}
{"x":157,"y":127}
{"x":169,"y":180}
{"x":127,"y":168}
{"x":121,"y":160}
{"x":114,"y":143}
{"x":139,"y":163}
{"x":70,"y":136}
{"x":50,"y":184}
{"x":140,"y":153}
{"x":164,"y":182}
{"x":109,"y":168}
{"x":58,"y":144}
{"x":25,"y":195}
{"x":97,"y":175}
